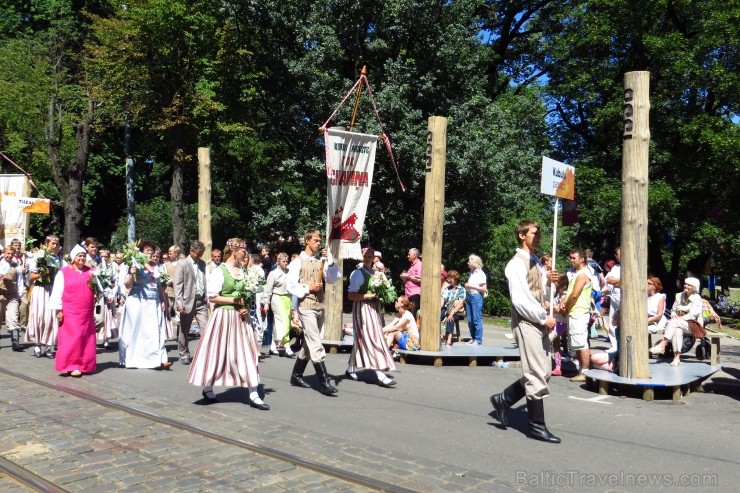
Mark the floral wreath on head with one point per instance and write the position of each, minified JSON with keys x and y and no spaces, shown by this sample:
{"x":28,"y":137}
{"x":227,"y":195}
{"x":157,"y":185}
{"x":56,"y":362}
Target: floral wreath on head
{"x":52,"y":238}
{"x":236,"y":244}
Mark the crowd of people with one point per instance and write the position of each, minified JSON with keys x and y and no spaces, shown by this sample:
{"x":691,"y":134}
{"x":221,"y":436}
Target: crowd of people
{"x":64,"y":307}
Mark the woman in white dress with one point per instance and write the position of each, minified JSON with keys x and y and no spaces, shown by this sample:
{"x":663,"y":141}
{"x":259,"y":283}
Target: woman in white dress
{"x":142,"y":332}
{"x":655,"y":305}
{"x":228,"y":353}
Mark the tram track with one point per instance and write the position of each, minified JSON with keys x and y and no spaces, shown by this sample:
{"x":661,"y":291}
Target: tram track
{"x":28,"y":478}
{"x":40,"y":484}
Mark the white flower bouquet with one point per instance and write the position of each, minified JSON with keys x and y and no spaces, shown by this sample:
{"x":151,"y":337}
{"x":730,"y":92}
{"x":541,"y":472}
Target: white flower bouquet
{"x":381,"y":287}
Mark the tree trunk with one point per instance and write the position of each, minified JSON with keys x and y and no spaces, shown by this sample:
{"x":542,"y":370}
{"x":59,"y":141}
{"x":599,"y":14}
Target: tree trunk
{"x":178,"y":208}
{"x":69,"y":179}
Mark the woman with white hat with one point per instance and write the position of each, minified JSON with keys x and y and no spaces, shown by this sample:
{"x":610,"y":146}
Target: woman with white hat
{"x":686,"y":311}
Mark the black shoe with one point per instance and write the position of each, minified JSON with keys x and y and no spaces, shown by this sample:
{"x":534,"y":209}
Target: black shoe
{"x":209,"y":400}
{"x":503,"y":401}
{"x":497,"y":400}
{"x":106,"y":344}
{"x":351,"y":376}
{"x":296,"y":378}
{"x":325,"y":386}
{"x":537,"y":428}
{"x":49,"y":353}
{"x":387,"y":382}
{"x":37,"y":351}
{"x":185,"y":359}
{"x":18,"y":348}
{"x":259,"y":405}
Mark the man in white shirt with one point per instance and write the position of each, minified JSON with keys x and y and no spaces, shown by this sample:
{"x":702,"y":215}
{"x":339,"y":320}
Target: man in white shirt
{"x":306,"y":276}
{"x":530,"y":324}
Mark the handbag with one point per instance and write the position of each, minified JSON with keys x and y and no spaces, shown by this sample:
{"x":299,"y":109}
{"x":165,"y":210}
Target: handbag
{"x":461,"y":313}
{"x":697,"y":330}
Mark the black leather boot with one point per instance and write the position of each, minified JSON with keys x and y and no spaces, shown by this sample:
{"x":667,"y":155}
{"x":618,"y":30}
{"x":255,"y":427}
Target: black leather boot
{"x":15,"y":338}
{"x":297,"y":377}
{"x":503,"y":401}
{"x":325,"y":386}
{"x":537,"y":428}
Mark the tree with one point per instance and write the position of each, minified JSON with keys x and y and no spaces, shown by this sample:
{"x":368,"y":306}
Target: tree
{"x":691,"y":50}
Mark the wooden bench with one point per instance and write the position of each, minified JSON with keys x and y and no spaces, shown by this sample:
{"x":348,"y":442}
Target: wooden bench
{"x":471,"y":352}
{"x":681,"y":379}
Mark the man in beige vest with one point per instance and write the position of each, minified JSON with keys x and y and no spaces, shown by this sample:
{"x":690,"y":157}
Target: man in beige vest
{"x":530,"y":324}
{"x":306,"y":276}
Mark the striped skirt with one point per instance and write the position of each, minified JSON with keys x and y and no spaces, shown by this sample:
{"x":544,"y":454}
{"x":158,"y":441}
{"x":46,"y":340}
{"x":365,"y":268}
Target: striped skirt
{"x":110,"y":323}
{"x":369,"y":350}
{"x":228,"y":353}
{"x":42,"y":322}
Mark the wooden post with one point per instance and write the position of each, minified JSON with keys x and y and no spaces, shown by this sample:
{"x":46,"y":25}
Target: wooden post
{"x":635,"y":149}
{"x":204,"y":200}
{"x":434,"y":203}
{"x":334,"y":303}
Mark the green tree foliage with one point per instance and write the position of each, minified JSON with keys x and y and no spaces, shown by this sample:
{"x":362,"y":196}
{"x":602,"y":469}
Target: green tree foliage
{"x":255,"y":79}
{"x":691,"y":51}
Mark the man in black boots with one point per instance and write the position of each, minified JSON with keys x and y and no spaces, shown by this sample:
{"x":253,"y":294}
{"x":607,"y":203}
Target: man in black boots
{"x":306,"y":276}
{"x":530,"y":324}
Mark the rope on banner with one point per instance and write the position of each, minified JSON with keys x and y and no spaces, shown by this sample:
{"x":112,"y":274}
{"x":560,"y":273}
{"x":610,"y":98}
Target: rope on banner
{"x":28,"y":175}
{"x":383,"y":136}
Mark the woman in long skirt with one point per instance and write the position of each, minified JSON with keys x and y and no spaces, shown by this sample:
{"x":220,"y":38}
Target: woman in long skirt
{"x":276,"y":296}
{"x":73,"y":299}
{"x":369,"y":350}
{"x":228,"y":353}
{"x":141,"y":342}
{"x":42,"y":324}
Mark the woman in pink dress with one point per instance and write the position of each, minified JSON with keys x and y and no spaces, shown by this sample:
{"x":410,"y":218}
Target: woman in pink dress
{"x":74,"y":300}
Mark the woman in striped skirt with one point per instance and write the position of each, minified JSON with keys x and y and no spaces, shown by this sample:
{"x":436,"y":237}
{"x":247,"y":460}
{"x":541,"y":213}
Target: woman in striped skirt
{"x":369,"y":350}
{"x":228,"y":351}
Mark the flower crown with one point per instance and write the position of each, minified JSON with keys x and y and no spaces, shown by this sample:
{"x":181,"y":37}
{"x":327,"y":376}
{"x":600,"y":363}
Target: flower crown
{"x":236,"y":244}
{"x":52,"y":238}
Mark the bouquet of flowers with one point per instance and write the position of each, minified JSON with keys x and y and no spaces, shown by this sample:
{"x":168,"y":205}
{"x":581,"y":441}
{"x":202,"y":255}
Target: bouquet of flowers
{"x":46,"y":264}
{"x":249,"y":285}
{"x":381,"y":287}
{"x":164,"y":278}
{"x":132,"y":255}
{"x":100,"y":281}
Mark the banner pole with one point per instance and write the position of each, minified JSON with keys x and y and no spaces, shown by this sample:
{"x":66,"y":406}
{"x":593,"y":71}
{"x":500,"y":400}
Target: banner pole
{"x":554,"y":250}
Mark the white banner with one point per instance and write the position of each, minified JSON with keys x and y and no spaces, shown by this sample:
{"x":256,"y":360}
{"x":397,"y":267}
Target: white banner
{"x":12,"y":217}
{"x":558,"y":179}
{"x":350,"y":159}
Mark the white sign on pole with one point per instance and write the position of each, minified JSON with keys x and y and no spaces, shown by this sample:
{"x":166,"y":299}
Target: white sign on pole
{"x":558,"y":179}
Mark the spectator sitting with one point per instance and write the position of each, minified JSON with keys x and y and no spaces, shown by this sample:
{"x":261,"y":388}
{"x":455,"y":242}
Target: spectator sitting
{"x":709,"y":315}
{"x":403,"y":329}
{"x":686,"y":309}
{"x":655,"y":305}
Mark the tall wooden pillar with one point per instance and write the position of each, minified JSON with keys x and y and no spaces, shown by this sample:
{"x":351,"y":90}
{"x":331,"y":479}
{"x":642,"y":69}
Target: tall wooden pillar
{"x":633,"y":350}
{"x":204,"y":200}
{"x":434,"y":205}
{"x":334,"y":302}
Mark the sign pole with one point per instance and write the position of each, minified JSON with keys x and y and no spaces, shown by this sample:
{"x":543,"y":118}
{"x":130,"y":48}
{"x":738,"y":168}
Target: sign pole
{"x":554,"y":250}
